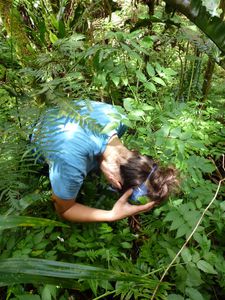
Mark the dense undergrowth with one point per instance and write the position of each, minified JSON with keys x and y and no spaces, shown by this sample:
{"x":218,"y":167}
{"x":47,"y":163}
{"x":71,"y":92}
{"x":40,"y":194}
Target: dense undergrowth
{"x":155,"y":73}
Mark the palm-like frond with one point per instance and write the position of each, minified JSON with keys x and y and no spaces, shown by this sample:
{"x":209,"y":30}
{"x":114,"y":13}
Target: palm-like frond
{"x":31,"y":270}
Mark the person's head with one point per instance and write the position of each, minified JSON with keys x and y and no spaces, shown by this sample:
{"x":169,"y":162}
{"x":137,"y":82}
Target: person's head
{"x":136,"y":170}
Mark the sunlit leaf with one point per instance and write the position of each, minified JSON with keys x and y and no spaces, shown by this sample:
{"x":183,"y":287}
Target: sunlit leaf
{"x":20,"y":221}
{"x":159,"y":80}
{"x":150,"y":70}
{"x":150,"y":86}
{"x":141,"y":76}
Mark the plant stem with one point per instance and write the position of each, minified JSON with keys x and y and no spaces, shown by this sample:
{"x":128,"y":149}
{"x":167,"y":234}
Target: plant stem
{"x":190,"y":236}
{"x":103,"y":295}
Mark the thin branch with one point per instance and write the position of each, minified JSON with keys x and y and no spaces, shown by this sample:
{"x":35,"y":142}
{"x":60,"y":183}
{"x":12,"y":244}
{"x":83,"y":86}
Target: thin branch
{"x":106,"y":294}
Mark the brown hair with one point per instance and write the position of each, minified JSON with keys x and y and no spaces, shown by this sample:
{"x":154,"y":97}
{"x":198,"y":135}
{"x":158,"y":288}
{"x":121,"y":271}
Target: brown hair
{"x":161,"y":182}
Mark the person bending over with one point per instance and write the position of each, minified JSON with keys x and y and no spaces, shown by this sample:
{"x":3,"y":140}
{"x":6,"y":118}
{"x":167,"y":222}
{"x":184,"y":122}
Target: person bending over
{"x":72,"y":150}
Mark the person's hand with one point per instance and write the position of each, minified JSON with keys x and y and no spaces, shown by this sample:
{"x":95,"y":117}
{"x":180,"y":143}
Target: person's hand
{"x":123,"y":208}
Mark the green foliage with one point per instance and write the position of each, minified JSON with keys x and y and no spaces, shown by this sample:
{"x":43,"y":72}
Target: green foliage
{"x":207,"y":16}
{"x":152,"y":67}
{"x":17,"y":221}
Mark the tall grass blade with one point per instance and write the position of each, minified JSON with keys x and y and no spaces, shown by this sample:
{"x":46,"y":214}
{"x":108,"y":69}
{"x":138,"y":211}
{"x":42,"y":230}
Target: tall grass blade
{"x":33,"y":270}
{"x":19,"y":221}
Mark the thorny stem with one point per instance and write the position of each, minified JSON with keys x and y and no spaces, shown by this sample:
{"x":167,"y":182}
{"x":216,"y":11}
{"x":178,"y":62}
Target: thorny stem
{"x":190,"y":236}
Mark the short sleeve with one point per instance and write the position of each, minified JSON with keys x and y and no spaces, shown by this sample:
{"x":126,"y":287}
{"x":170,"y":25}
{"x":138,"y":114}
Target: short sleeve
{"x":66,"y":180}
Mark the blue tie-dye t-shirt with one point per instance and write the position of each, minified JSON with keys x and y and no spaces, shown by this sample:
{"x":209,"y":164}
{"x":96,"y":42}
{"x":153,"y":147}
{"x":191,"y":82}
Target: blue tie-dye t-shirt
{"x":72,"y":148}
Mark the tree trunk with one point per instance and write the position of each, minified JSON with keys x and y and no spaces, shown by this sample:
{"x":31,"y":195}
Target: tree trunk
{"x":151,"y":6}
{"x":207,"y":78}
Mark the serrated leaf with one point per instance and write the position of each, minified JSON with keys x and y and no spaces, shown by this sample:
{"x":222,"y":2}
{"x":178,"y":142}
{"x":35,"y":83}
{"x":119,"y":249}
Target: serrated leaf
{"x":194,"y":294}
{"x":206,"y":267}
{"x":141,"y":76}
{"x":186,"y":255}
{"x":177,"y":222}
{"x":150,"y":86}
{"x":171,"y":215}
{"x":192,"y":217}
{"x":183,"y":230}
{"x":128,"y":104}
{"x":193,"y":275}
{"x":171,"y":253}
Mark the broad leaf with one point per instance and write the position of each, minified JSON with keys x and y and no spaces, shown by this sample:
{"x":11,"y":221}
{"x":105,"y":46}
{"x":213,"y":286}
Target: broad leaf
{"x":206,"y":267}
{"x":19,"y":221}
{"x":194,"y":294}
{"x":31,"y":270}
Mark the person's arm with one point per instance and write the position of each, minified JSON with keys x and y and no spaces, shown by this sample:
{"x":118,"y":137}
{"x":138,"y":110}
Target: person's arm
{"x":76,"y":212}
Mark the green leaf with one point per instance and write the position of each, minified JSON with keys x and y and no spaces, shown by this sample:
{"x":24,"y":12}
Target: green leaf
{"x":183,"y":230}
{"x":109,"y":127}
{"x":159,"y":80}
{"x":194,"y":294}
{"x":169,"y":72}
{"x":150,"y":70}
{"x":186,"y":255}
{"x":171,"y":253}
{"x":136,"y":115}
{"x":126,"y":245}
{"x":28,"y":297}
{"x":175,"y":132}
{"x":27,"y":200}
{"x":222,"y":205}
{"x":32,"y":270}
{"x":213,"y":26}
{"x":48,"y":292}
{"x":53,"y":38}
{"x":175,"y":297}
{"x":193,"y":275}
{"x":19,"y":221}
{"x":177,"y":222}
{"x":146,"y":42}
{"x":206,"y":267}
{"x":128,"y":104}
{"x":150,"y":86}
{"x":37,"y":238}
{"x":171,"y":215}
{"x":125,"y":80}
{"x":115,"y":79}
{"x":141,"y":76}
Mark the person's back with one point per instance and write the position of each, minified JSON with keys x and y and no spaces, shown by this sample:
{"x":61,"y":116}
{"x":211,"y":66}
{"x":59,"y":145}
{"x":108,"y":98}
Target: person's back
{"x":73,"y":148}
